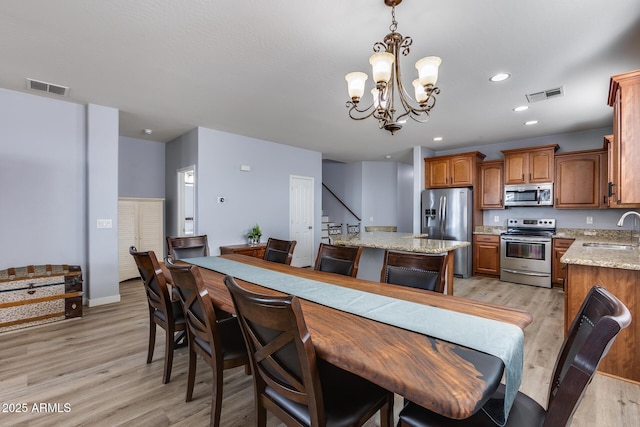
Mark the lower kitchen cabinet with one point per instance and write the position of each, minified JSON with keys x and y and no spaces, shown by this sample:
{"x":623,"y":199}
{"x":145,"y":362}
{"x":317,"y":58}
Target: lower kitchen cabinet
{"x":558,"y":269}
{"x":623,"y":359}
{"x":486,"y":255}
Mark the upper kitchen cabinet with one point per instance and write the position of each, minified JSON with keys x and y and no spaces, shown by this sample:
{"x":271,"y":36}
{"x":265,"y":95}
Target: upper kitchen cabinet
{"x":529,"y":165}
{"x":457,"y":170}
{"x":624,"y":175}
{"x":491,"y":187}
{"x":581,"y":180}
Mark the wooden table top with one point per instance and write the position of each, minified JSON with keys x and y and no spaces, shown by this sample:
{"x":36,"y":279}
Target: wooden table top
{"x":441,"y":376}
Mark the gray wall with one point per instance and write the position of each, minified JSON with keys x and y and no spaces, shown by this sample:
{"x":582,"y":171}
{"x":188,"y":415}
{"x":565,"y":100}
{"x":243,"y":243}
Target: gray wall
{"x":102,"y":194}
{"x":42,"y":181}
{"x":259,"y":196}
{"x":179,"y":153}
{"x":380,"y":193}
{"x":345,"y":181}
{"x":141,"y":167}
{"x":58,"y":175}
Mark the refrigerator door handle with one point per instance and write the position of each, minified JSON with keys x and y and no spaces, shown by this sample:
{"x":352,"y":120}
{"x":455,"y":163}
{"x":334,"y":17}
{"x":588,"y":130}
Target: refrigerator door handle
{"x":443,"y":218}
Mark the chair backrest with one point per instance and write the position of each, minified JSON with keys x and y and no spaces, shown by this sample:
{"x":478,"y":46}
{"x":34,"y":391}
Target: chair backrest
{"x":353,"y":228}
{"x":414,"y":270}
{"x":198,"y":309}
{"x":282,"y":355}
{"x":600,"y":318}
{"x":155,"y":284}
{"x":279,"y":251}
{"x":187,"y":247}
{"x":338,"y":259}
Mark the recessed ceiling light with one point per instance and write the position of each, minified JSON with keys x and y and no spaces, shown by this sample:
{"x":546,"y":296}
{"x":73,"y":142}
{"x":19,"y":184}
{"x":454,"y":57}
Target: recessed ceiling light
{"x":531,"y":122}
{"x":387,"y":156}
{"x":500,"y":77}
{"x":521,"y":108}
{"x":148,"y":131}
{"x":437,"y":138}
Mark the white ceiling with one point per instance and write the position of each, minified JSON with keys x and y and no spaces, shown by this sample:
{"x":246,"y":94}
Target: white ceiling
{"x":275,"y":70}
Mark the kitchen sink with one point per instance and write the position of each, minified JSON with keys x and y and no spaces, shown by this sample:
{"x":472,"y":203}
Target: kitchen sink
{"x":602,"y":245}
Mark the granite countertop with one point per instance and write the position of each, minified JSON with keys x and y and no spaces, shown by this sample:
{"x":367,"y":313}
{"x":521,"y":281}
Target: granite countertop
{"x":399,"y":241}
{"x":626,"y":259}
{"x":487,"y":229}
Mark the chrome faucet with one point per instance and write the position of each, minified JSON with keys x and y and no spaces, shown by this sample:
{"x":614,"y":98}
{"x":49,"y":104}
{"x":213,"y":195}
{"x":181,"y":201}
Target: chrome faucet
{"x":626,"y":214}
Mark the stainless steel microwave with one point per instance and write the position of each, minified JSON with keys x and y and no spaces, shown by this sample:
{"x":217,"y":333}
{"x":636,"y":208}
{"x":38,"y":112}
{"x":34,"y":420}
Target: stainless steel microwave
{"x":528,"y":195}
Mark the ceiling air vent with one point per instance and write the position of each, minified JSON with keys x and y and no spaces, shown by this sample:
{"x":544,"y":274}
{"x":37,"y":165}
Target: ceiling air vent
{"x":545,"y":94}
{"x":47,"y":87}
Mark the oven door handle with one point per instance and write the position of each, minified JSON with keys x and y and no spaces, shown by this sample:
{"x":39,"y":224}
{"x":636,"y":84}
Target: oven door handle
{"x":524,"y":240}
{"x":525,"y":273}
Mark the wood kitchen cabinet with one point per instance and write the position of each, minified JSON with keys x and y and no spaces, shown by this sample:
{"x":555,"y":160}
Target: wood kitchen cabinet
{"x":558,"y":270}
{"x":581,"y":180}
{"x":624,"y":180}
{"x":529,"y":165}
{"x":486,"y":255}
{"x":623,"y":359}
{"x":458,"y":170}
{"x":490,"y":185}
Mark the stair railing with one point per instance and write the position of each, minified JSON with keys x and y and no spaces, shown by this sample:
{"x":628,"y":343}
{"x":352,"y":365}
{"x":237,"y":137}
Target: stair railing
{"x":341,"y":202}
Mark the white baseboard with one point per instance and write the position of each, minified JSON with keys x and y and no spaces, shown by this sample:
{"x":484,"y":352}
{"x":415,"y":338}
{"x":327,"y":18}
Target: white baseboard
{"x":94,"y":302}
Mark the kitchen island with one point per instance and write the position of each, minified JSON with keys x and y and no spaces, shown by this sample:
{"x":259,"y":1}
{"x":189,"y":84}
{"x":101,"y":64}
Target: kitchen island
{"x":376,"y":242}
{"x":613,"y":263}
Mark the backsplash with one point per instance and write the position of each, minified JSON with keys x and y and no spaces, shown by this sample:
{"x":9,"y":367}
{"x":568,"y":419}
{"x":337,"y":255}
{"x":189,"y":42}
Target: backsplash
{"x":602,"y":219}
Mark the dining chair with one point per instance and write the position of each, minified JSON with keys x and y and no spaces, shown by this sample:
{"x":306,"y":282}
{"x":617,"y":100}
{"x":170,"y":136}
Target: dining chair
{"x":600,"y":318}
{"x":289,"y":379}
{"x":187,"y":246}
{"x":279,"y":250}
{"x":218,"y":342}
{"x":164,"y":311}
{"x":415,"y":270}
{"x":338,"y":259}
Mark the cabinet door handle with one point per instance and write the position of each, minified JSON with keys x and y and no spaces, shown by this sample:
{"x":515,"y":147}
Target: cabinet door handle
{"x":523,"y":177}
{"x":529,"y":177}
{"x":611,"y":193}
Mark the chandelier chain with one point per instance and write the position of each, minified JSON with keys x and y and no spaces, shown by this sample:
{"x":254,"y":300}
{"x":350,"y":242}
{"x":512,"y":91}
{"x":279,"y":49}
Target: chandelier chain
{"x":394,"y":24}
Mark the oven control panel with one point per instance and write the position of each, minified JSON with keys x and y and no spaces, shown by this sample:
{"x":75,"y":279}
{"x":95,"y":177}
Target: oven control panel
{"x":531,"y":223}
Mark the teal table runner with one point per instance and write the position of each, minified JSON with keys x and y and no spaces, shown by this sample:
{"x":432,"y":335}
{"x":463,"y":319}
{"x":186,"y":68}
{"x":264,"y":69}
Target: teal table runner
{"x":500,"y":339}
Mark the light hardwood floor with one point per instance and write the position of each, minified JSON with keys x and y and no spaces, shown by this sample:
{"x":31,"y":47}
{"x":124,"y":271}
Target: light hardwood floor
{"x":96,"y":365}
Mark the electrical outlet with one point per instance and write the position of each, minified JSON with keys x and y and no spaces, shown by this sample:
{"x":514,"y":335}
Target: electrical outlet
{"x":589,"y":220}
{"x":496,"y":218}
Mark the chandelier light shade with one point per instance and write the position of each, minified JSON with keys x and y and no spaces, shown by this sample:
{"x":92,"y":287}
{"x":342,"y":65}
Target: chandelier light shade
{"x":392,"y":104}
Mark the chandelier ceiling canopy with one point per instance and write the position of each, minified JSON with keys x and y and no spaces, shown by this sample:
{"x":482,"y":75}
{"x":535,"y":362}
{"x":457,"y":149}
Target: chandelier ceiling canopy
{"x":389,"y":89}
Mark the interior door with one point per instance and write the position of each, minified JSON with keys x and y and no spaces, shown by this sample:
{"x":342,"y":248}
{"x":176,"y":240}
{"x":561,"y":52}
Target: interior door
{"x":301,"y":207}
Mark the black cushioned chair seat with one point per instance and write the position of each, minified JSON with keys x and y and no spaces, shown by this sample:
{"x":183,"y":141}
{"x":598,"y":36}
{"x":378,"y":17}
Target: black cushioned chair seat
{"x":526,"y":412}
{"x":347,"y":397}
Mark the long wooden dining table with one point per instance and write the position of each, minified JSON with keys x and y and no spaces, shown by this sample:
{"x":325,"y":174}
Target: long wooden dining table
{"x":446,"y":378}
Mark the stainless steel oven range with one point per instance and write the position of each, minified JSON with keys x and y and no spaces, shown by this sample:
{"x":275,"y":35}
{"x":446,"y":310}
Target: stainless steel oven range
{"x":525,"y":251}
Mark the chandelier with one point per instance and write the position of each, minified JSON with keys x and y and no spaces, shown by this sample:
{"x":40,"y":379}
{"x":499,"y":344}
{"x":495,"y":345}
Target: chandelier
{"x":385,"y":66}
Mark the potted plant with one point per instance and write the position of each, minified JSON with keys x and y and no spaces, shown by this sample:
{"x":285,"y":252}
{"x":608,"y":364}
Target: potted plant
{"x":254,"y":235}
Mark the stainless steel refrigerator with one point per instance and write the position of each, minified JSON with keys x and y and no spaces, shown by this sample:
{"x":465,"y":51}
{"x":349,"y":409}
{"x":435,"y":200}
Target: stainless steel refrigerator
{"x":447,"y":214}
